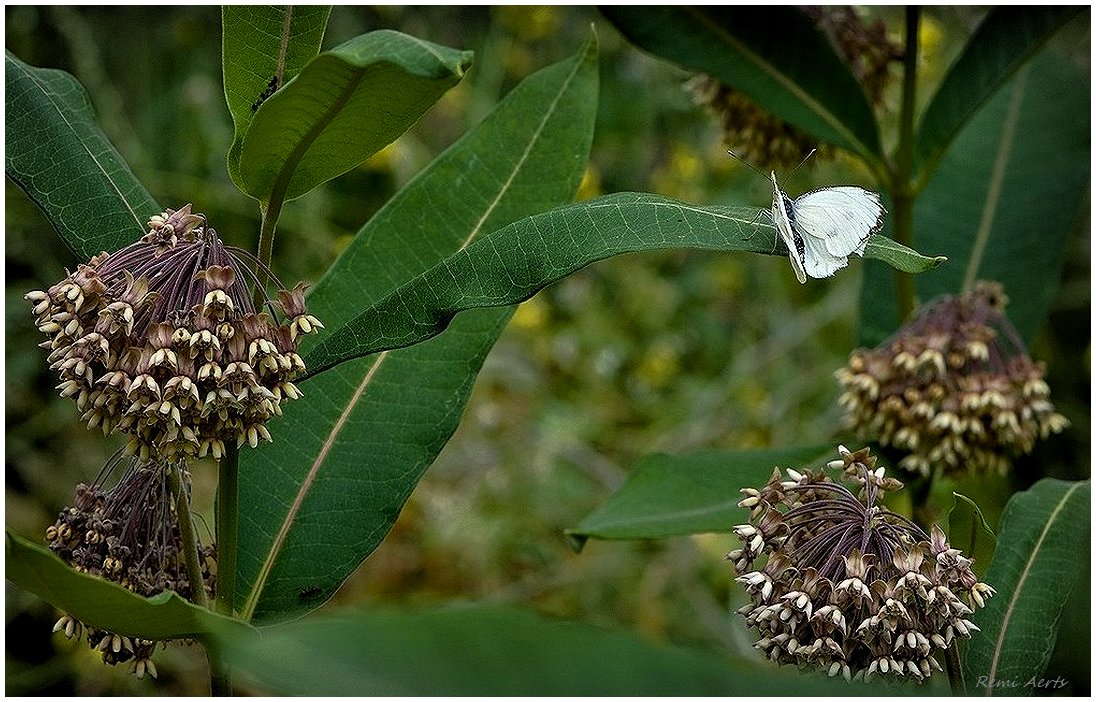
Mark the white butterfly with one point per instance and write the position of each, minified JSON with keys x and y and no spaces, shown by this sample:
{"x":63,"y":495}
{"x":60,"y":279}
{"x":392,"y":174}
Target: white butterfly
{"x":824,"y":227}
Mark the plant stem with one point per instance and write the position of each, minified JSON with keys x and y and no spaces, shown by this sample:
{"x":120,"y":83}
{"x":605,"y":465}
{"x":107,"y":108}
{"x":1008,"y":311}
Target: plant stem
{"x":186,"y":532}
{"x":270,"y":214}
{"x":954,"y":666}
{"x":903,"y":192}
{"x":227,"y":517}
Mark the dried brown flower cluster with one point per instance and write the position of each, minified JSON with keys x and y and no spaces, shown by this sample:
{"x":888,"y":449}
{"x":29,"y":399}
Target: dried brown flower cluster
{"x":128,"y":534}
{"x":765,"y":140}
{"x":162,"y":341}
{"x":955,"y":388}
{"x":847,"y":585}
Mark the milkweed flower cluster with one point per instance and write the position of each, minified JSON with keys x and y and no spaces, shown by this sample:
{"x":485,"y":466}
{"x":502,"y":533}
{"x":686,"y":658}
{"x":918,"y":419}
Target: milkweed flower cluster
{"x":162,"y":341}
{"x":839,"y":582}
{"x":128,"y":534}
{"x":955,"y":388}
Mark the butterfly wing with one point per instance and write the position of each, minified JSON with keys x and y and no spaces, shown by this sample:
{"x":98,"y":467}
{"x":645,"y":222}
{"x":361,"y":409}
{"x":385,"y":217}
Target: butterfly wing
{"x":817,"y":259}
{"x":784,"y":227}
{"x":840,"y":218}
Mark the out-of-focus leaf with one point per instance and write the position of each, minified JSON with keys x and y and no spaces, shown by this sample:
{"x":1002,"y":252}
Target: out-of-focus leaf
{"x":773,"y":54}
{"x":1000,"y":206}
{"x":57,"y":154}
{"x":263,"y":47}
{"x":513,"y":263}
{"x":103,"y":604}
{"x":969,"y":532}
{"x":1005,"y":40}
{"x":344,"y":462}
{"x":1033,"y":570}
{"x":343,"y":107}
{"x":691,"y":494}
{"x":497,"y":651}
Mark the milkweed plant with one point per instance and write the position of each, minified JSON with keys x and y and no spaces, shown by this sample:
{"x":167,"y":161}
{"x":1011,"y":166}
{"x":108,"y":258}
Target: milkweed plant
{"x":317,"y":406}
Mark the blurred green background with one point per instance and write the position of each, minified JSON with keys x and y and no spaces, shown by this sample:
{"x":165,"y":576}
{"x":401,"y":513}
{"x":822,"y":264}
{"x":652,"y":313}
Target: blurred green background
{"x":643,"y":353}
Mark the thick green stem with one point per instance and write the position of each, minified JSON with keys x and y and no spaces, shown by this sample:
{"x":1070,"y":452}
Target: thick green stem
{"x":270,"y":214}
{"x":191,"y":557}
{"x":227,"y":520}
{"x":903,"y":175}
{"x":954,"y":666}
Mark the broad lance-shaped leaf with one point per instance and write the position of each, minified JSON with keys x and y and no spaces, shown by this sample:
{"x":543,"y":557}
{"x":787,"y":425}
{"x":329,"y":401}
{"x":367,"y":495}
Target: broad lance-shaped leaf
{"x":773,"y":54}
{"x":1004,"y":199}
{"x":263,"y":47}
{"x":691,"y":494}
{"x":57,"y":154}
{"x":513,"y":263}
{"x":969,"y":532}
{"x":1004,"y":41}
{"x":105,"y":605}
{"x":1041,"y":547}
{"x":343,"y":107}
{"x":316,"y":501}
{"x":481,"y":650}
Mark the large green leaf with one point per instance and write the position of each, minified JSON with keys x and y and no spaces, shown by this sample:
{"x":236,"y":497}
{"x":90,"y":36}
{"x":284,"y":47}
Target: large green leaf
{"x":103,"y":604}
{"x":320,"y":498}
{"x":1000,"y":206}
{"x":490,"y":650}
{"x":1034,"y":568}
{"x":57,"y":154}
{"x":511,"y":264}
{"x":347,"y":104}
{"x":773,"y":54}
{"x":691,"y":494}
{"x":263,"y":47}
{"x":1005,"y":40}
{"x":969,"y":532}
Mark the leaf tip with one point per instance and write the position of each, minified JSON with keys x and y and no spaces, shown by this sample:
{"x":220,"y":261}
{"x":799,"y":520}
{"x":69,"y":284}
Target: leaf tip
{"x":575,"y":540}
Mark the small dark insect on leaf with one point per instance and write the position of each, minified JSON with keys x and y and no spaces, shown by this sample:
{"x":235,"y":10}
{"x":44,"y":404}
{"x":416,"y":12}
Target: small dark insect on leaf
{"x":271,"y":88}
{"x":309,"y":593}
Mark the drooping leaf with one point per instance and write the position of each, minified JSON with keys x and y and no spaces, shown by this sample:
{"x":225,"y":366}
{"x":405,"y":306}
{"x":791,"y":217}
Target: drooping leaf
{"x":775,"y":55}
{"x":690,"y":494}
{"x":103,"y":604}
{"x":483,"y":650}
{"x":511,"y":264}
{"x":57,"y":154}
{"x":263,"y":47}
{"x":969,"y":532}
{"x":1004,"y":41}
{"x":345,"y":460}
{"x":1008,"y":193}
{"x":1043,"y":541}
{"x":343,"y":107}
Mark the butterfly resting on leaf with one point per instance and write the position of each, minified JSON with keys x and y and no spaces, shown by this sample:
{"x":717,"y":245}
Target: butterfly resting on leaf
{"x":824,"y":227}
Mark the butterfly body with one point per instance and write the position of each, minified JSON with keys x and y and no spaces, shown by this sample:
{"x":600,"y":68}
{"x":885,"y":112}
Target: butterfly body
{"x":822,"y":228}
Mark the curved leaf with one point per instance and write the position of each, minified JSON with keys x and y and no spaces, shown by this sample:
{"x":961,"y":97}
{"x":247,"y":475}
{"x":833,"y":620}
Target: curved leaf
{"x":773,"y":54}
{"x":1034,"y":568}
{"x":57,"y":154}
{"x":513,"y":263}
{"x":343,"y":463}
{"x":1008,"y":193}
{"x":103,"y":604}
{"x":692,"y":494}
{"x":347,"y":104}
{"x":969,"y":532}
{"x":263,"y":47}
{"x":498,"y":651}
{"x":1005,"y":40}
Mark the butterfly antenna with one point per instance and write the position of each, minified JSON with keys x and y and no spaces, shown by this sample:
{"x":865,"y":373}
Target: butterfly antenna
{"x":747,"y":164}
{"x":803,"y":161}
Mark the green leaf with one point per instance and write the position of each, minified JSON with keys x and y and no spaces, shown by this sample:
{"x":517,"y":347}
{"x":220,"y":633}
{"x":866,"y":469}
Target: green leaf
{"x":58,"y":155}
{"x":1009,"y":192}
{"x":346,"y":105}
{"x":512,"y":264}
{"x":482,"y":650}
{"x":263,"y":47}
{"x":969,"y":532}
{"x":345,"y":460}
{"x":1033,"y":570}
{"x":691,"y":494}
{"x":773,"y":54}
{"x":103,"y":604}
{"x":1005,"y":40}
